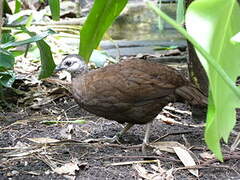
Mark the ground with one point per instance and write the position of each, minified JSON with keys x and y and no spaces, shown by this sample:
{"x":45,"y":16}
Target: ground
{"x":30,"y":148}
{"x":24,"y":155}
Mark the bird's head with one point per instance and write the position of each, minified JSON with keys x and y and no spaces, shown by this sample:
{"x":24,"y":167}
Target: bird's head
{"x":72,"y":63}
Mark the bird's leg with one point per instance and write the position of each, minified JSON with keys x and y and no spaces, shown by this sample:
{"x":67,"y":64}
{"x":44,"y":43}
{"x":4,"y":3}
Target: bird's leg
{"x":116,"y":138}
{"x":123,"y":131}
{"x":146,"y":137}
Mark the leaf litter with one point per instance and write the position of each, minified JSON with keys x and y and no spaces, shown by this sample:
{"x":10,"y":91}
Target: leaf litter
{"x":54,"y":150}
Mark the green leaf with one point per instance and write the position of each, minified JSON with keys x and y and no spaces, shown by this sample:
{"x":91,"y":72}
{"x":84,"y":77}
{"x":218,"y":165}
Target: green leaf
{"x":165,"y":47}
{"x":47,"y":62}
{"x":80,"y":121}
{"x":19,"y":19}
{"x":6,"y":8}
{"x":29,"y":21}
{"x":207,"y":61}
{"x":17,"y":53}
{"x":6,"y":60}
{"x":6,"y":37}
{"x":34,"y":38}
{"x":101,"y":16}
{"x":55,"y":9}
{"x":213,"y":24}
{"x":18,"y":5}
{"x":7,"y":78}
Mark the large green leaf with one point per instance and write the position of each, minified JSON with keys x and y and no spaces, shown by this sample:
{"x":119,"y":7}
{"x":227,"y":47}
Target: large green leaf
{"x":55,"y":9}
{"x":47,"y":62}
{"x":101,"y":16}
{"x":213,"y":24}
{"x":34,"y":38}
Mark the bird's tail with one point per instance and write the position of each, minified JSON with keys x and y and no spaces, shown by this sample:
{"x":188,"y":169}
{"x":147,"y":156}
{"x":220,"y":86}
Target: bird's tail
{"x":192,"y":94}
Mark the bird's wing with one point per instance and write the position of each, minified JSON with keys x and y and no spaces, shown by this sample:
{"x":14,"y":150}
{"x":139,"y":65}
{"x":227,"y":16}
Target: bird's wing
{"x":125,"y":83}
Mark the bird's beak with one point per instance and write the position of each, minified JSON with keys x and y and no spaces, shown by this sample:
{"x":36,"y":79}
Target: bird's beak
{"x":58,"y":69}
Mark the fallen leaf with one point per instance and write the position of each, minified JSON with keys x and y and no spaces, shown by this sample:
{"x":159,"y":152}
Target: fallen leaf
{"x":43,"y":140}
{"x":186,"y":159}
{"x":207,"y":155}
{"x":159,"y":173}
{"x":68,"y":168}
{"x":166,"y":146}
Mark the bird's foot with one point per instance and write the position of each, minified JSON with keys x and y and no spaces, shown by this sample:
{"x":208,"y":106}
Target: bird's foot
{"x":115,"y":139}
{"x":144,"y":147}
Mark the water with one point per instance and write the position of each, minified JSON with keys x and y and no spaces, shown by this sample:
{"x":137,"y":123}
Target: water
{"x":138,"y":22}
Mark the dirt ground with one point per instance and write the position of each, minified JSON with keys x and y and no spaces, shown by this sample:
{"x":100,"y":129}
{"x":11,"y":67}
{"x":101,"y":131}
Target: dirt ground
{"x":31,"y":149}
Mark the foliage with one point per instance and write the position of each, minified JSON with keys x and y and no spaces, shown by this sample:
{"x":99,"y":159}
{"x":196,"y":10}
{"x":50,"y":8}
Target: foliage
{"x":7,"y":58}
{"x":55,"y":9}
{"x":6,"y":8}
{"x":214,"y":50}
{"x":101,"y":16}
{"x":219,"y":21}
{"x":18,"y":5}
{"x":8,"y":42}
{"x":47,"y":62}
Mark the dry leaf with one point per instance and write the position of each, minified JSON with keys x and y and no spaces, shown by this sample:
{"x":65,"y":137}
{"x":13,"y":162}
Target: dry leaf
{"x":166,"y":146}
{"x":186,"y":159}
{"x":69,"y":168}
{"x":21,"y":149}
{"x":159,"y":173}
{"x":43,"y":140}
{"x":141,"y":171}
{"x":207,"y":155}
{"x":179,"y":149}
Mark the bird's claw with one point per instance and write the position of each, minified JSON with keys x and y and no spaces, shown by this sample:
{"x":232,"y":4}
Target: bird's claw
{"x":144,"y":147}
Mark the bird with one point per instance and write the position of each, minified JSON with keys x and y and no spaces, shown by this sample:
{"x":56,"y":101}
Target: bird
{"x":133,"y":91}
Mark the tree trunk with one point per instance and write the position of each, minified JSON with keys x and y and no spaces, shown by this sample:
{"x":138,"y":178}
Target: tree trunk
{"x":197,"y":75}
{"x":196,"y":72}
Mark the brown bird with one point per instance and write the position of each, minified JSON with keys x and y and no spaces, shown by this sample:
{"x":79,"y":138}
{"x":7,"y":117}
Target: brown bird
{"x":132,"y":91}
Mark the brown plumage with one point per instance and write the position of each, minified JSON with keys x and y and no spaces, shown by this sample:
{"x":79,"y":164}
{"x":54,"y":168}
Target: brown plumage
{"x":132,"y":91}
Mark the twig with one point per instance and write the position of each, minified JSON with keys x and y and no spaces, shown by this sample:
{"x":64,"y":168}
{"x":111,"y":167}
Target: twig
{"x":24,"y":135}
{"x":226,"y":158}
{"x":202,"y":166}
{"x":133,"y":162}
{"x":135,"y":157}
{"x":173,"y":133}
{"x":236,"y":143}
{"x":76,"y":105}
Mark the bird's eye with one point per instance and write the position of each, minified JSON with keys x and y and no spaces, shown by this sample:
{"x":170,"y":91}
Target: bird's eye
{"x":68,"y":63}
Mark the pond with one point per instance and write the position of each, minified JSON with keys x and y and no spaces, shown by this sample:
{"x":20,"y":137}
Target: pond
{"x":138,"y":22}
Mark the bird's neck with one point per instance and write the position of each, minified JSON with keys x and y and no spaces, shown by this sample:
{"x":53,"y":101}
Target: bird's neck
{"x":79,"y":73}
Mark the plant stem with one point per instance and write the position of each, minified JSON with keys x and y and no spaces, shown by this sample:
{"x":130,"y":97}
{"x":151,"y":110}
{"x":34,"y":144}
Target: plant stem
{"x":1,"y":18}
